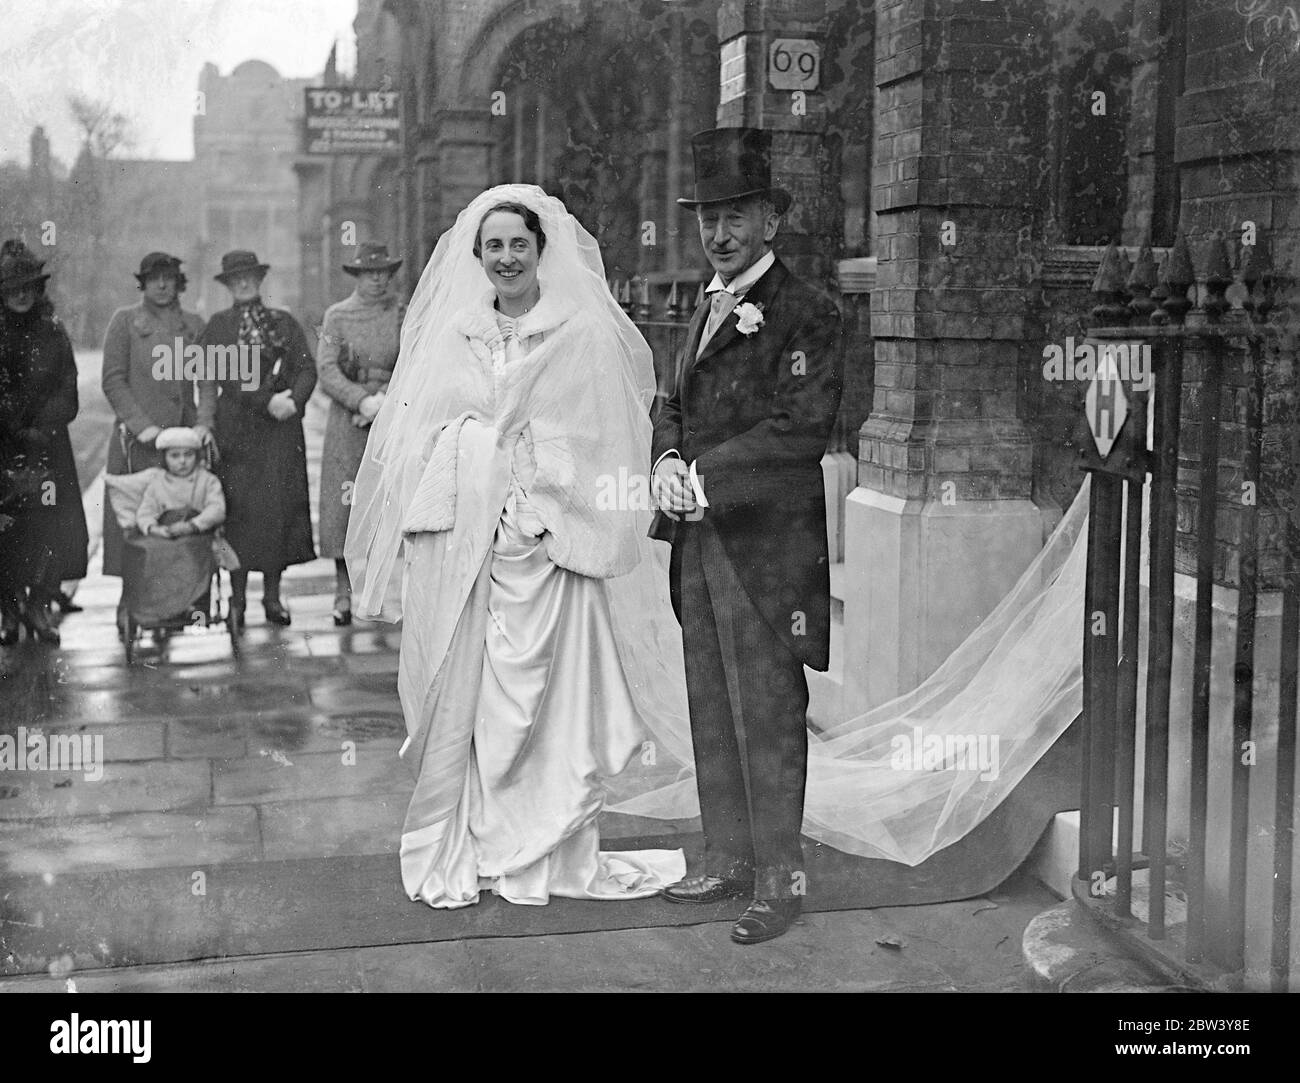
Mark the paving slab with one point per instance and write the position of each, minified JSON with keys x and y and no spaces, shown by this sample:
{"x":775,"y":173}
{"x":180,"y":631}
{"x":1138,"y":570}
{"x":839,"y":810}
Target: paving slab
{"x":155,"y":786}
{"x":138,"y":840}
{"x":333,"y":827}
{"x":271,"y":778}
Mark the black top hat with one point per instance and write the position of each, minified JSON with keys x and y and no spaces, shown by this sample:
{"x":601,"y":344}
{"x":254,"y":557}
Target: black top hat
{"x":19,"y":267}
{"x":239,"y":262}
{"x":157,"y":263}
{"x":371,"y":256}
{"x":732,"y":163}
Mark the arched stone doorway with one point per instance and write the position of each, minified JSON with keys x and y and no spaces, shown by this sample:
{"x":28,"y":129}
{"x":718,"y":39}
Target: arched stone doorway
{"x":598,"y":107}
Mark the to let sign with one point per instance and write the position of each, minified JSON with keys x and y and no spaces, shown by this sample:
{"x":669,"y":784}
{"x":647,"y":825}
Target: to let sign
{"x":344,"y":120}
{"x":794,"y":64}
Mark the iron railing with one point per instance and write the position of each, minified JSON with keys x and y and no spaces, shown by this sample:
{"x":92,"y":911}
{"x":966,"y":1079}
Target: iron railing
{"x":661,"y":305}
{"x":1207,"y":353}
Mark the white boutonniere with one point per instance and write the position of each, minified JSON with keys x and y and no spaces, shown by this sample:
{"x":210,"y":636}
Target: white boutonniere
{"x":749,"y":317}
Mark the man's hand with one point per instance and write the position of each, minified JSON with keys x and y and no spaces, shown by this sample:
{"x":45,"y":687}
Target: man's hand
{"x":282,"y":407}
{"x":672,"y":485}
{"x":149,"y":435}
{"x":204,"y":434}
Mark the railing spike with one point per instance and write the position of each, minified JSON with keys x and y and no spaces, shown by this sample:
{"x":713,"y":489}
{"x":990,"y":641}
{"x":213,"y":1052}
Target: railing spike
{"x":1218,"y":277}
{"x":1176,"y":277}
{"x":1108,"y":287}
{"x":1141,"y":281}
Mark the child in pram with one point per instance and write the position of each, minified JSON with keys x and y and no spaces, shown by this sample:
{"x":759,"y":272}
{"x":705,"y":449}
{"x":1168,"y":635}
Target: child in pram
{"x":187,"y":499}
{"x":168,"y":517}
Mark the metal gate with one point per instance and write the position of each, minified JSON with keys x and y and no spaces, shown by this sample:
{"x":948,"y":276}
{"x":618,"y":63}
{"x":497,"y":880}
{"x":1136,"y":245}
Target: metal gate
{"x":1222,"y":504}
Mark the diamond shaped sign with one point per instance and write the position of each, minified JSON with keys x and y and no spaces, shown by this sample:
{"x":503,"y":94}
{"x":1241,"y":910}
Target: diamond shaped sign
{"x":1105,"y":403}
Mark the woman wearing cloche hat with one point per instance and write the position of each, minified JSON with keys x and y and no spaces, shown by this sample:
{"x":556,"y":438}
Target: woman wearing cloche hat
{"x":144,"y":405}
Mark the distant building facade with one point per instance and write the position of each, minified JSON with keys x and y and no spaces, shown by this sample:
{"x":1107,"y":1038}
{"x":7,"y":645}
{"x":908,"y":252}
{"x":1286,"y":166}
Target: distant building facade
{"x":245,"y":143}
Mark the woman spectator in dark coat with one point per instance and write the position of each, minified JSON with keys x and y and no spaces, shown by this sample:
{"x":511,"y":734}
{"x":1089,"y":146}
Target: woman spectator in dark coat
{"x":44,"y":537}
{"x":263,"y":455}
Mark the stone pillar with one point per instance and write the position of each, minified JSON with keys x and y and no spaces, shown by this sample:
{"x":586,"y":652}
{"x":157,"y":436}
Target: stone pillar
{"x":462,"y":147}
{"x":942,"y":524}
{"x":812,"y":233}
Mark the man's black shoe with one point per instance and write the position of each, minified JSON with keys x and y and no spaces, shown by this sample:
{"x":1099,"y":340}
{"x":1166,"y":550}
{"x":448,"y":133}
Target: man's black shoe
{"x":706,"y":889}
{"x":766,"y":919}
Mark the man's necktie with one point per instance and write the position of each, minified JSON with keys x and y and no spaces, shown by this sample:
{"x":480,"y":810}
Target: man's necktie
{"x":720,"y":306}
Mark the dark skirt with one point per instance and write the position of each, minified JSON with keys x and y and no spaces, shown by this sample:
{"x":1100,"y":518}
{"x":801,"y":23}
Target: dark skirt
{"x":48,"y":540}
{"x":263,"y":470}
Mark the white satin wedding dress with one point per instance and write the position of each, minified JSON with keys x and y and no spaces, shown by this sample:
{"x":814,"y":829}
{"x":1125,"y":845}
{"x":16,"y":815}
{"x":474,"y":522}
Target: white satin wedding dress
{"x":532,"y":711}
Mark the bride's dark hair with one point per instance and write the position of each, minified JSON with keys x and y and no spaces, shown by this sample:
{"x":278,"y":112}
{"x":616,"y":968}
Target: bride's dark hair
{"x":529,"y":216}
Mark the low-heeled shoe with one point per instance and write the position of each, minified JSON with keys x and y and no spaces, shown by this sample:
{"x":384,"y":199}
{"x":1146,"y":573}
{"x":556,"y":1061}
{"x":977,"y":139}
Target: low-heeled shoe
{"x":765,"y":919}
{"x":706,"y":889}
{"x":276,"y":613}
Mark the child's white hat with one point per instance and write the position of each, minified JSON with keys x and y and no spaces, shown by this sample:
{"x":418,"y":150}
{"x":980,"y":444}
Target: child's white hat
{"x":178,"y":437}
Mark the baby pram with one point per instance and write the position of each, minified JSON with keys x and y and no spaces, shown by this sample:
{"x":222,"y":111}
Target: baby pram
{"x":168,"y":584}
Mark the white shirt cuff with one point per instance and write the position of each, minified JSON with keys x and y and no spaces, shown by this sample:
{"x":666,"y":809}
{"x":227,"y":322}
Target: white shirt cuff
{"x":698,"y":486}
{"x":670,"y":451}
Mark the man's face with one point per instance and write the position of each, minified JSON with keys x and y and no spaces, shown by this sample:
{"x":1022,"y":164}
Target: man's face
{"x":181,"y":461}
{"x":735,"y":235}
{"x":160,"y":289}
{"x":245,"y":286}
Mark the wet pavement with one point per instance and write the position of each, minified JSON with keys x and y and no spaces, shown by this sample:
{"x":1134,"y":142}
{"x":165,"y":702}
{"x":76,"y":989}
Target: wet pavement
{"x":285,"y":749}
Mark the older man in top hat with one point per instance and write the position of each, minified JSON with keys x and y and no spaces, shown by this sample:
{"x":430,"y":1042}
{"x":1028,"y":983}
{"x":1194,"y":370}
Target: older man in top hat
{"x":144,"y":404}
{"x":738,"y":448}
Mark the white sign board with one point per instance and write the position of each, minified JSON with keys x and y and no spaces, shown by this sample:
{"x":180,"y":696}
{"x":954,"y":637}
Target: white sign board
{"x":1105,"y":403}
{"x":794,"y":64}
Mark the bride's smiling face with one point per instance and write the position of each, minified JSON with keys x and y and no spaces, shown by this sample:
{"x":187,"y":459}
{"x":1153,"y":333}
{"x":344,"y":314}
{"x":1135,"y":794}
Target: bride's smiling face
{"x":510,"y":257}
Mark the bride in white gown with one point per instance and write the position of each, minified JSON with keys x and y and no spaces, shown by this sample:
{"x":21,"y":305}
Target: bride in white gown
{"x":481,"y":518}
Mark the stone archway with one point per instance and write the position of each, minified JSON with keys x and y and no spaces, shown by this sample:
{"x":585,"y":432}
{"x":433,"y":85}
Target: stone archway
{"x":584,"y":118}
{"x":596,"y":103}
